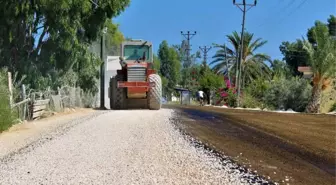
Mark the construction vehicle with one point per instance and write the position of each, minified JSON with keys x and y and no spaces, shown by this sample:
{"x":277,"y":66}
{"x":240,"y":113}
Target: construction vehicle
{"x":136,"y":84}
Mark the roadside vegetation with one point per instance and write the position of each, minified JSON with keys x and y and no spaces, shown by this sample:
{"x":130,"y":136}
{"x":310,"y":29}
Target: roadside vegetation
{"x":50,"y":44}
{"x":266,"y":83}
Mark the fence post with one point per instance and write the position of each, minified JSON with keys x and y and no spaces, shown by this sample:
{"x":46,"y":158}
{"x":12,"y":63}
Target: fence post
{"x":10,"y":85}
{"x":24,"y":96}
{"x":32,"y":100}
{"x":78,"y":97}
{"x":48,"y":94}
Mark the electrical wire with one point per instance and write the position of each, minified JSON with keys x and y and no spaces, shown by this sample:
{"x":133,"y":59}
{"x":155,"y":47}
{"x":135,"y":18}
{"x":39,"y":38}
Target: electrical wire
{"x":279,"y":12}
{"x":290,"y":13}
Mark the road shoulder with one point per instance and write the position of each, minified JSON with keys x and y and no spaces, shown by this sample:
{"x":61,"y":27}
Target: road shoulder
{"x":21,"y":135}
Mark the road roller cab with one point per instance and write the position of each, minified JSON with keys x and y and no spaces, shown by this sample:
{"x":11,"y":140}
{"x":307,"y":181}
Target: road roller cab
{"x":137,"y":84}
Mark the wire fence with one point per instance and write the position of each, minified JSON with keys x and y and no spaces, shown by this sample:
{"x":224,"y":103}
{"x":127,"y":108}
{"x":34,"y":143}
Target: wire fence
{"x":36,"y":104}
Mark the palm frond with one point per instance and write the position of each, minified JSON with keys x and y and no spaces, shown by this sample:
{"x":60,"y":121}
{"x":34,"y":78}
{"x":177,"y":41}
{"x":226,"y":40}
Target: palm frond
{"x":253,"y":64}
{"x":322,"y":56}
{"x":257,"y":44}
{"x":216,"y":61}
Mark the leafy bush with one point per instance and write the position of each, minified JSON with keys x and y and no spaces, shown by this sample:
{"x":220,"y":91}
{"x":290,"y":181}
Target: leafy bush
{"x":333,"y":108}
{"x":257,"y":88}
{"x":70,"y":78}
{"x":232,"y":98}
{"x":279,"y":93}
{"x":251,"y":102}
{"x":293,"y":93}
{"x":6,"y":116}
{"x":211,"y":81}
{"x":254,"y":94}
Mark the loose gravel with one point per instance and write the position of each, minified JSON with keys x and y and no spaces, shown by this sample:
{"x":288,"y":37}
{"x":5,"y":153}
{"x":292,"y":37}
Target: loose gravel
{"x":118,"y":147}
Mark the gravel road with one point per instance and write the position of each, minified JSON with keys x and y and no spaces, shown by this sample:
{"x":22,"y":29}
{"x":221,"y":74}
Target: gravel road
{"x":116,"y":147}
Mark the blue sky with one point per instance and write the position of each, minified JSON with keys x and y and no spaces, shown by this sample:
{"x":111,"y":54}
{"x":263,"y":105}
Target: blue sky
{"x":273,"y":20}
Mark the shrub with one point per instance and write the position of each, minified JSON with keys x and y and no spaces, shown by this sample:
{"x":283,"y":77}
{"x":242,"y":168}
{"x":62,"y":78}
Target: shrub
{"x":6,"y":116}
{"x":254,"y":94}
{"x":333,"y":108}
{"x":232,"y":98}
{"x":251,"y":102}
{"x":293,"y":93}
{"x":279,"y":93}
{"x":257,"y":88}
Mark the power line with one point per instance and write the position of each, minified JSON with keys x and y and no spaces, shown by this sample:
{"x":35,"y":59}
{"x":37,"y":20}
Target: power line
{"x":290,"y":13}
{"x":279,"y":12}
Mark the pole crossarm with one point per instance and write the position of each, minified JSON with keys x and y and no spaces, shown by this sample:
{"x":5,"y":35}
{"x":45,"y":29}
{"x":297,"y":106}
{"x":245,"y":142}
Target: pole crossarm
{"x":188,"y":36}
{"x":205,"y":51}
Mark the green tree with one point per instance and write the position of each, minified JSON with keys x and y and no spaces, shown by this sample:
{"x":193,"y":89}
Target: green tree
{"x":156,"y":63}
{"x":48,"y":39}
{"x":186,"y":78}
{"x":169,"y":66}
{"x":211,"y":81}
{"x":294,"y":55}
{"x":113,"y":38}
{"x":195,"y":74}
{"x":281,"y":68}
{"x":253,"y":64}
{"x":332,"y":25}
{"x":322,"y":57}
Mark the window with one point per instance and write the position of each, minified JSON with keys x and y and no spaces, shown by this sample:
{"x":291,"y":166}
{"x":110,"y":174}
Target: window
{"x":134,"y":52}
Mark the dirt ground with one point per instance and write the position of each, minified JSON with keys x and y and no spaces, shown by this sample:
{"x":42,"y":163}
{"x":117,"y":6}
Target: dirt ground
{"x":289,"y":148}
{"x":20,"y":135}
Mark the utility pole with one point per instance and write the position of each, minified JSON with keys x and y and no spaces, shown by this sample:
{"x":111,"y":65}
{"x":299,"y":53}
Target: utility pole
{"x":102,"y":72}
{"x":94,"y":4}
{"x":188,"y":36}
{"x":205,"y":51}
{"x":226,"y":62}
{"x":238,"y":72}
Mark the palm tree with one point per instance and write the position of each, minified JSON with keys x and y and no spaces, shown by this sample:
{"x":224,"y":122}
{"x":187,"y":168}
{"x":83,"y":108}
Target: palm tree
{"x":322,"y":57}
{"x":224,"y":59}
{"x":253,"y":65}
